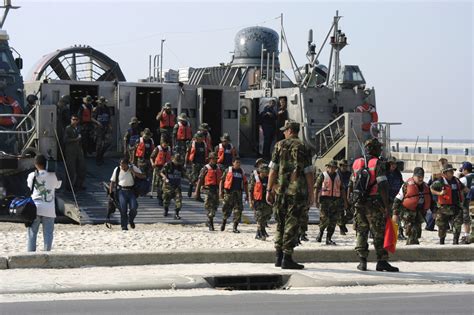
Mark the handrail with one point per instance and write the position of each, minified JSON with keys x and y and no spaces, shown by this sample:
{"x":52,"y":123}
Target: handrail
{"x":17,"y":132}
{"x":329,"y":135}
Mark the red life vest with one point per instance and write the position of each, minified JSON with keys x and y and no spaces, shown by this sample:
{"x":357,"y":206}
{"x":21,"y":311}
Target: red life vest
{"x":222,"y":151}
{"x":184,"y":132}
{"x":163,"y":156}
{"x":230,"y":177}
{"x":166,"y":120}
{"x":193,"y":151}
{"x":258,"y":188}
{"x":447,"y":198}
{"x":11,"y":107}
{"x":359,"y":164}
{"x":86,"y":114}
{"x":213,"y":176}
{"x":413,"y":195}
{"x":141,"y":148}
{"x":330,"y":188}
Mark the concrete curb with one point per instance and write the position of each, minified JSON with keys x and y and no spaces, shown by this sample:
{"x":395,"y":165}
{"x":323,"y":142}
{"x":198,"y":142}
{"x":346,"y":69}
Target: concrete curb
{"x":76,"y":260}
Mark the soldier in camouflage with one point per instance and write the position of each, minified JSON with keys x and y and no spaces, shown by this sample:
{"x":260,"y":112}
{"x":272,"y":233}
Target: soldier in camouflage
{"x":291,"y":167}
{"x":411,"y":204}
{"x":346,"y":214}
{"x":371,"y":210}
{"x":210,"y":178}
{"x":449,"y":190}
{"x":331,"y":199}
{"x":171,"y":175}
{"x":197,"y":156}
{"x":258,"y":183}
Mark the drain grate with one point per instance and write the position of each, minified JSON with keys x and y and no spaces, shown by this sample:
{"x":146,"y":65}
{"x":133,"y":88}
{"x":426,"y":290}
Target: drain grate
{"x":247,"y":282}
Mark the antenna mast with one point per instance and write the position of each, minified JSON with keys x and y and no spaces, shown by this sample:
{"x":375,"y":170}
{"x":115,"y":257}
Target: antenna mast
{"x":7,"y":6}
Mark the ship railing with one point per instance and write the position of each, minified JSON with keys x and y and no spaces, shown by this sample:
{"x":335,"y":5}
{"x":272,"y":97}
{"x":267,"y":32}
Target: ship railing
{"x":21,"y":134}
{"x":330,"y":135}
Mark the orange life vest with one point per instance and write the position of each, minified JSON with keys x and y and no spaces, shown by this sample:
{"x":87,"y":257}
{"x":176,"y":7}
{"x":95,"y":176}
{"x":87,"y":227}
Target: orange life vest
{"x":258,"y":188}
{"x":166,"y":120}
{"x":221,"y":152}
{"x":359,"y":164}
{"x":193,"y":151}
{"x":447,"y":198}
{"x":230,"y":177}
{"x":141,"y":148}
{"x":413,"y":195}
{"x":330,"y":188}
{"x":86,"y":114}
{"x":163,"y":156}
{"x":11,"y":107}
{"x":184,"y":132}
{"x":213,"y":176}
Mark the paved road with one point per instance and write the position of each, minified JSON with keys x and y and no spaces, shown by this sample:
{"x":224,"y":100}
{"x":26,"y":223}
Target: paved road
{"x":376,"y":303}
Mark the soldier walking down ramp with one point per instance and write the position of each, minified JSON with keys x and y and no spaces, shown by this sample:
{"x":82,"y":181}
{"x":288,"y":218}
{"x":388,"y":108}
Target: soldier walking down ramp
{"x":171,"y":174}
{"x":371,"y":205}
{"x":182,"y":134}
{"x":291,"y":168}
{"x":74,"y":156}
{"x":258,"y":184}
{"x":131,"y":138}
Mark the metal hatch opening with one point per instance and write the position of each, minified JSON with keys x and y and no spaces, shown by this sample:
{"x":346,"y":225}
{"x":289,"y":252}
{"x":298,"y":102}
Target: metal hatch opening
{"x":212,"y":113}
{"x":78,"y":92}
{"x":247,"y":282}
{"x":148,"y":106}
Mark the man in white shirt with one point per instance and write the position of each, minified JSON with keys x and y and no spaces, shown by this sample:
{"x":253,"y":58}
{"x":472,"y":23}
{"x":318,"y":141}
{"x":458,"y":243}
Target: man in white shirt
{"x":123,"y":183}
{"x":43,"y":185}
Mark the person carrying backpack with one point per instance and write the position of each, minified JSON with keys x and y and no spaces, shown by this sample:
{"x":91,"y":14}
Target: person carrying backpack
{"x":369,"y":187}
{"x":122,"y":182}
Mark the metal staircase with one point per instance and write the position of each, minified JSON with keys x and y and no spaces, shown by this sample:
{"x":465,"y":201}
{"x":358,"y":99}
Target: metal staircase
{"x":329,"y":136}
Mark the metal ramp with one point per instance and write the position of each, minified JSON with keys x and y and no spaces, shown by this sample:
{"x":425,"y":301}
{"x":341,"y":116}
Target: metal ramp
{"x":93,"y":201}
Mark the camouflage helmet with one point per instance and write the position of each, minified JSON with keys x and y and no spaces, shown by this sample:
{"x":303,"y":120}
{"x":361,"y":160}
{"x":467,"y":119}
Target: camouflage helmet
{"x":332,"y":163}
{"x":260,"y":161}
{"x":204,"y":127}
{"x":199,"y":135}
{"x":164,"y":139}
{"x":146,"y":133}
{"x":134,"y":120}
{"x":291,"y":124}
{"x":372,"y":145}
{"x":177,"y":159}
{"x":225,"y":137}
{"x":212,"y":156}
{"x":167,"y":105}
{"x":343,"y":163}
{"x":183,"y":117}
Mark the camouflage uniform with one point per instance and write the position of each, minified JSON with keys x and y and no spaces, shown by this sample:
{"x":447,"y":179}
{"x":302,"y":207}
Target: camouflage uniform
{"x":330,"y":212}
{"x":212,"y":195}
{"x":346,"y":215}
{"x":232,"y":201}
{"x":291,"y":161}
{"x":157,"y":181}
{"x":172,"y":189}
{"x":370,"y":215}
{"x":263,"y":211}
{"x":446,"y":213}
{"x":131,"y":138}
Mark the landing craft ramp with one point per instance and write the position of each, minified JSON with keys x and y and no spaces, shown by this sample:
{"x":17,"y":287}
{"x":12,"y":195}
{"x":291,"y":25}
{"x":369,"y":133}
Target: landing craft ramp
{"x":93,"y":202}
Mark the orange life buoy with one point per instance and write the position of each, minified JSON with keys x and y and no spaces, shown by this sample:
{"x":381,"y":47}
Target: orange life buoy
{"x":374,"y":117}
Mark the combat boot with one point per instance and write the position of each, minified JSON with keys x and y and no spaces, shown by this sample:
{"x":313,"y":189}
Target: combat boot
{"x":288,"y":263}
{"x":441,"y":240}
{"x":235,"y":228}
{"x":456,"y":239}
{"x":401,"y":236}
{"x":383,"y":265}
{"x":278,"y":258}
{"x":362,"y":266}
{"x":329,"y":241}
{"x":199,"y":199}
{"x":342,"y":229}
{"x":224,"y":222}
{"x":259,"y":235}
{"x":464,"y":240}
{"x":319,"y":238}
{"x":176,"y":214}
{"x":211,"y":224}
{"x":160,"y":200}
{"x":303,"y":237}
{"x":165,"y":213}
{"x":264,"y":232}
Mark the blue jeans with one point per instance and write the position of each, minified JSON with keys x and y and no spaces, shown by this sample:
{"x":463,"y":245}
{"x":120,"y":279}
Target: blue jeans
{"x":48,"y":229}
{"x":127,"y":200}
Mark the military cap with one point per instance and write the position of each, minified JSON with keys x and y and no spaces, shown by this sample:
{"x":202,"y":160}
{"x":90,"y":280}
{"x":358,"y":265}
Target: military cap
{"x":183,"y":117}
{"x":167,"y":105}
{"x":290,"y":124}
{"x":225,"y":137}
{"x":212,"y":155}
{"x":87,"y":99}
{"x":419,"y":171}
{"x":392,"y":159}
{"x":134,"y":120}
{"x":332,"y":163}
{"x":204,"y":126}
{"x":259,"y":161}
{"x":199,"y":135}
{"x":102,"y":100}
{"x":343,"y":163}
{"x":147,"y":133}
{"x":447,"y":168}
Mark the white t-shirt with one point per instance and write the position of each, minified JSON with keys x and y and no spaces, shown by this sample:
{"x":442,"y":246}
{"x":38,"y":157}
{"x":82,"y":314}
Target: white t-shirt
{"x":43,"y":193}
{"x":125,"y":179}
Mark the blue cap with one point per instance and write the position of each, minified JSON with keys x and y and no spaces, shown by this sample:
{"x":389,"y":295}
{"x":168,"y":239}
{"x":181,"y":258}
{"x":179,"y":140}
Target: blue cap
{"x":466,"y":166}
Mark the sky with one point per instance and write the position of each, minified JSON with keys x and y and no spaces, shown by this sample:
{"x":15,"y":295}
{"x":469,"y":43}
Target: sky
{"x":417,"y":55}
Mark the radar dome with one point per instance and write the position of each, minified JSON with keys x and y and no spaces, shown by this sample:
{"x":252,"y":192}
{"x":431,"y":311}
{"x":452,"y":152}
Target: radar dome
{"x":248,"y":45}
